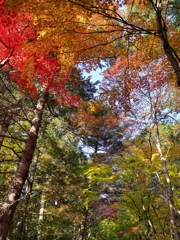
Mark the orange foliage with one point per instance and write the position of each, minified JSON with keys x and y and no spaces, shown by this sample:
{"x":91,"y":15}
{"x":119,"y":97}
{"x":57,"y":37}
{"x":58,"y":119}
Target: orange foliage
{"x":93,"y":116}
{"x":132,"y":229}
{"x":85,"y":32}
{"x":74,"y":34}
{"x":143,"y":69}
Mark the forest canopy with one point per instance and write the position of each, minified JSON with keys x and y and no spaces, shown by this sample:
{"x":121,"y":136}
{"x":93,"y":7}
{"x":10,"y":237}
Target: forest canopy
{"x":81,"y":161}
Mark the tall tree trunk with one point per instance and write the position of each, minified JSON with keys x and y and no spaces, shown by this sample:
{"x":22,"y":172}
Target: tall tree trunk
{"x":170,"y":196}
{"x":171,"y":54}
{"x":83,"y":225}
{"x":41,"y":215}
{"x":19,"y":232}
{"x":8,"y":208}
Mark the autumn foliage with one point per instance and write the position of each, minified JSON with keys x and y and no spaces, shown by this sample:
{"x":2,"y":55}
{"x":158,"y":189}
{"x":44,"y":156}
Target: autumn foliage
{"x":15,"y":32}
{"x":128,"y":131}
{"x":31,"y":69}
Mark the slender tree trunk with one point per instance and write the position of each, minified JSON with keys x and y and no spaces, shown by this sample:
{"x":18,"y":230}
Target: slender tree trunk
{"x":8,"y":208}
{"x":169,"y":187}
{"x":41,"y":215}
{"x":83,"y":225}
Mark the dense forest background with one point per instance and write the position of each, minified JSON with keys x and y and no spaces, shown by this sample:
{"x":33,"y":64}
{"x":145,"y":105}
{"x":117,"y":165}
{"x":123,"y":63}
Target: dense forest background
{"x":83,"y":159}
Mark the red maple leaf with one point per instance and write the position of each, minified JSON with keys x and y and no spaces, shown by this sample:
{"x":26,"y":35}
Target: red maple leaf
{"x":30,"y":70}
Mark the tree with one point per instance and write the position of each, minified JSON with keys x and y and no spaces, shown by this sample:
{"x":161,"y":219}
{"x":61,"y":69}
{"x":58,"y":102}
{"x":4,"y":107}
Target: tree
{"x":57,"y":185}
{"x":37,"y":71}
{"x":98,"y":127}
{"x":8,"y":208}
{"x":44,"y":68}
{"x":132,"y":25}
{"x":15,"y":32}
{"x":144,"y":191}
{"x":148,"y":102}
{"x":67,"y":33}
{"x":123,"y":32}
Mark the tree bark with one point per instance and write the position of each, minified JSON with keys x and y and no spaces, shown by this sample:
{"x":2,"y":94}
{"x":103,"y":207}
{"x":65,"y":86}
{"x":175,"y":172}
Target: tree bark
{"x":133,"y":29}
{"x":83,"y":225}
{"x":170,"y":196}
{"x":162,"y":28}
{"x":8,"y":208}
{"x":19,"y":232}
